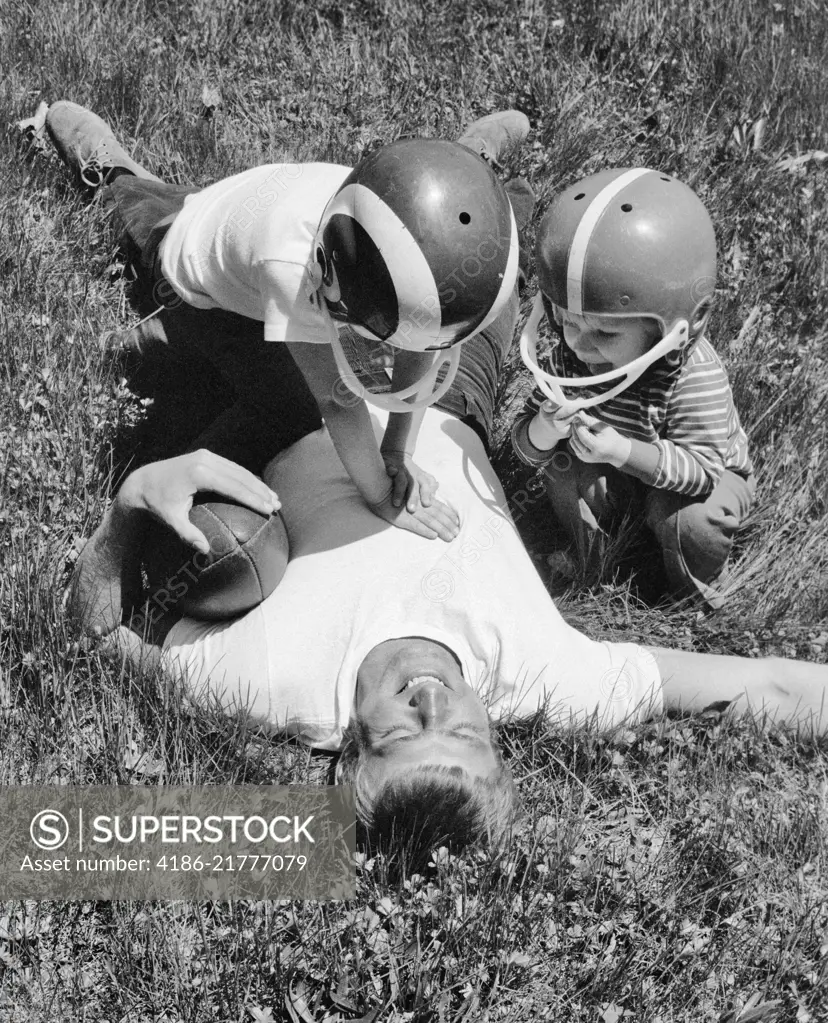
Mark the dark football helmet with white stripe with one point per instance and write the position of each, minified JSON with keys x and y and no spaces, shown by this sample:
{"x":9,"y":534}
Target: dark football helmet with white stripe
{"x":419,"y":246}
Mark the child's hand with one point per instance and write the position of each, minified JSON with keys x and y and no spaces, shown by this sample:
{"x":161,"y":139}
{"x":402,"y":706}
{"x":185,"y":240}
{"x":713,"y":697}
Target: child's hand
{"x":411,"y":483}
{"x":594,"y":441}
{"x":438,"y":519}
{"x":550,"y":426}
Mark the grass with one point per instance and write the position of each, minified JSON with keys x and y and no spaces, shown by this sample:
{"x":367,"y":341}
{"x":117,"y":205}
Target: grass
{"x":671,"y":872}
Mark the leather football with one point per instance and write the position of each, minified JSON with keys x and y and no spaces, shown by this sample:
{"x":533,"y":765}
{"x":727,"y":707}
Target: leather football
{"x":247,"y":559}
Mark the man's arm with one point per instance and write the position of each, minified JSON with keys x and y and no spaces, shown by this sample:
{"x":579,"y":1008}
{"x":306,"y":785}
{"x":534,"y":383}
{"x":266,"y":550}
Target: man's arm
{"x":790,"y":692}
{"x":107,"y":577}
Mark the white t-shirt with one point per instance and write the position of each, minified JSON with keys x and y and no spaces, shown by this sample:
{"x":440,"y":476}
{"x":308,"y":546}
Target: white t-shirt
{"x":245,"y":244}
{"x":354,"y":581}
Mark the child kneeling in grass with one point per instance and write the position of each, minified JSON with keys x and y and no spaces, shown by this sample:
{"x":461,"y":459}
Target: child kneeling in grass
{"x":626,"y":262}
{"x":416,"y":247}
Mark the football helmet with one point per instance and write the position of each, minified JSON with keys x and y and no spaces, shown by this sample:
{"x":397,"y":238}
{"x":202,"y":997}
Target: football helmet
{"x":623,"y":242}
{"x":417,"y":248}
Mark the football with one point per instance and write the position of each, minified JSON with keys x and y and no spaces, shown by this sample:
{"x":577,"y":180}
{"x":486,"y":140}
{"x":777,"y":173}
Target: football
{"x":247,"y":559}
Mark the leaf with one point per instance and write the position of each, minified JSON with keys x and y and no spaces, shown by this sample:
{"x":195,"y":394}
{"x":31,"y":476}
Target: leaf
{"x":296,"y":1005}
{"x":469,"y":1009}
{"x":793,"y":162}
{"x":339,"y":995}
{"x":386,"y":907}
{"x":767,"y":1012}
{"x":519,"y":959}
{"x":31,"y":126}
{"x":754,"y":1012}
{"x":261,"y":1015}
{"x":141,"y":763}
{"x":210,"y":98}
{"x":369,"y":1016}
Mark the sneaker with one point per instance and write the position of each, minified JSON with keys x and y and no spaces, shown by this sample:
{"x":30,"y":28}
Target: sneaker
{"x":87,"y":146}
{"x":493,"y":136}
{"x":147,"y":338}
{"x":32,"y":128}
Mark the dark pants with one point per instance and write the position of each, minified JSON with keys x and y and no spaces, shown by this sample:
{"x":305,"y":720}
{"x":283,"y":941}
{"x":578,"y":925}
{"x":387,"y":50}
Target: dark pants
{"x":695,"y":535}
{"x":272,"y":406}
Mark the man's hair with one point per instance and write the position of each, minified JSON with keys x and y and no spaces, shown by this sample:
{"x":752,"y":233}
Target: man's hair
{"x":428,"y":806}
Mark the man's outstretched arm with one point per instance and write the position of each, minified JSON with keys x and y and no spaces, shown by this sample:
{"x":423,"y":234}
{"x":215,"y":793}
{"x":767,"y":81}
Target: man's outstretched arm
{"x":789,"y":692}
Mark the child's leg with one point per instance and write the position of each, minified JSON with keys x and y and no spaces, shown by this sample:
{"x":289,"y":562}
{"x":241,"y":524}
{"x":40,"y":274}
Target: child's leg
{"x":472,"y":395}
{"x":269,"y":403}
{"x":143,"y":206}
{"x":87,"y":146}
{"x":586,"y":498}
{"x":493,"y":136}
{"x":471,"y":398}
{"x":273,"y":406}
{"x":695,"y":535}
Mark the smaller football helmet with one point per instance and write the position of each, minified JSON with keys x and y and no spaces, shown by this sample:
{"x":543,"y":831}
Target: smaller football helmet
{"x":417,"y":248}
{"x":623,"y":242}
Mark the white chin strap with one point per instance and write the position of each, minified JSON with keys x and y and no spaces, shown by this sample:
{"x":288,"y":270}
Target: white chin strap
{"x":552,"y":386}
{"x":393,"y":402}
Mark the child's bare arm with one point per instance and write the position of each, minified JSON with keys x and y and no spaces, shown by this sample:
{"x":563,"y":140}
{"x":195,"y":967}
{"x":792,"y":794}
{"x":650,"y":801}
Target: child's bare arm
{"x":350,"y":428}
{"x":347,"y":419}
{"x":411,"y":483}
{"x":403,"y":427}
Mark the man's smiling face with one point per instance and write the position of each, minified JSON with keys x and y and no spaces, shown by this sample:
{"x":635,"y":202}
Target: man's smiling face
{"x":414,"y":708}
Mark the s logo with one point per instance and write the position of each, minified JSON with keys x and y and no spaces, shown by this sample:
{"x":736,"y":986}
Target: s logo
{"x":49,"y":830}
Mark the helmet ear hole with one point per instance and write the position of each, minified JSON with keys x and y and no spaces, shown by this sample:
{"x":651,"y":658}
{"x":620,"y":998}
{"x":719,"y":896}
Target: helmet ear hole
{"x":701,"y":314}
{"x":324,"y":265}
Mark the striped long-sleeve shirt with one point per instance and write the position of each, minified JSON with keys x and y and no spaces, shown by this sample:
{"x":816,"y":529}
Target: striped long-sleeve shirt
{"x":686,"y":411}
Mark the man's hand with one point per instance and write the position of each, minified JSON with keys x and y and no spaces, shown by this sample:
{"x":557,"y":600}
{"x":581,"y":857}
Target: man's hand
{"x":166,"y":490}
{"x":412,"y":485}
{"x":594,"y":441}
{"x":435,"y":520}
{"x":107,"y":576}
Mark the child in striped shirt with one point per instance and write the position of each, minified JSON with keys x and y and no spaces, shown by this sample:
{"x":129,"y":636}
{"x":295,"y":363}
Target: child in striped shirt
{"x":626,"y":262}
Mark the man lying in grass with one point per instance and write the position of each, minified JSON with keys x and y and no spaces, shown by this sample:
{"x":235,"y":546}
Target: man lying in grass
{"x":399,"y":653}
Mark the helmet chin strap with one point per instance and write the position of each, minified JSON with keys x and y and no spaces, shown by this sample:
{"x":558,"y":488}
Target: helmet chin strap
{"x":394,"y":402}
{"x":552,"y":386}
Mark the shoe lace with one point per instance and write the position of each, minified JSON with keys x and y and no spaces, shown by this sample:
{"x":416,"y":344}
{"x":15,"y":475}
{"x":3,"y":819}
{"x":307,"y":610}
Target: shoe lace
{"x":94,"y":169}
